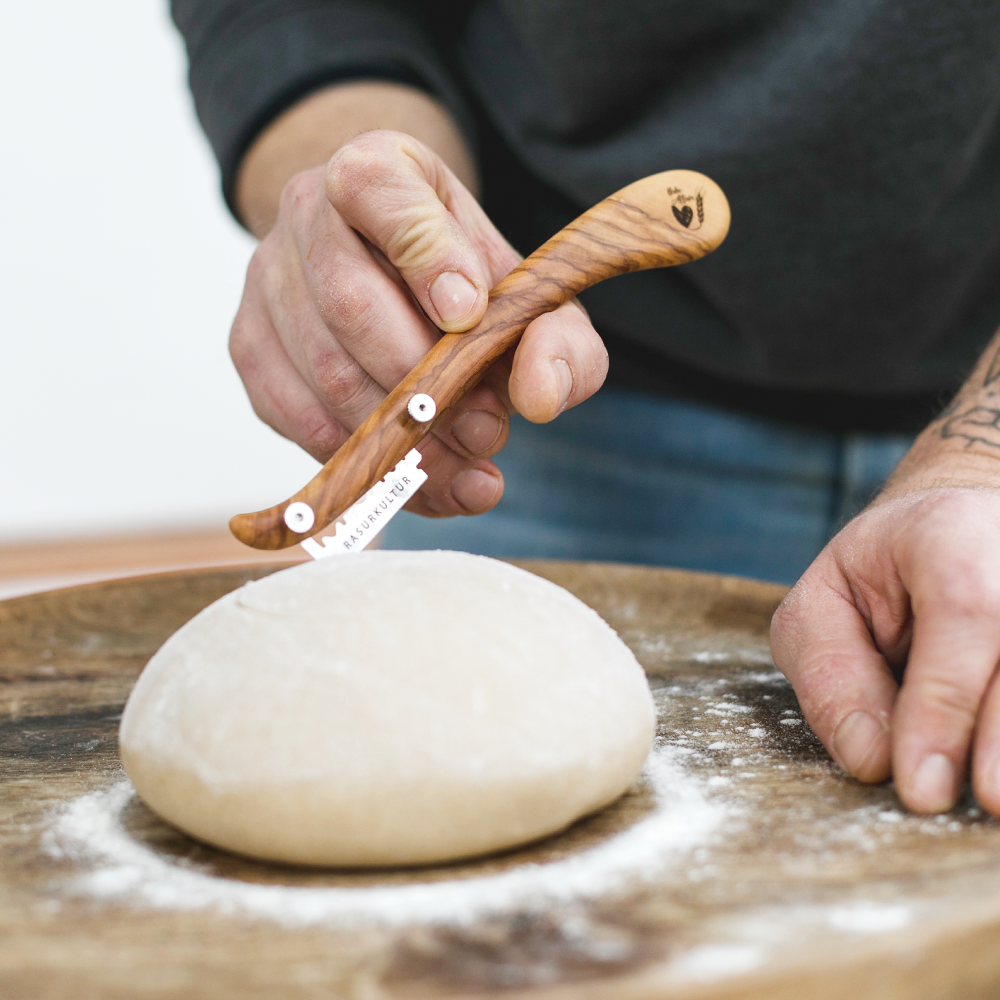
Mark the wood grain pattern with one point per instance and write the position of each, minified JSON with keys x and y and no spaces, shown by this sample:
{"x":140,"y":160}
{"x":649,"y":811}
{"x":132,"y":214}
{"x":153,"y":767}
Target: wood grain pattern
{"x":130,"y":554}
{"x":775,"y":906}
{"x":666,"y":219}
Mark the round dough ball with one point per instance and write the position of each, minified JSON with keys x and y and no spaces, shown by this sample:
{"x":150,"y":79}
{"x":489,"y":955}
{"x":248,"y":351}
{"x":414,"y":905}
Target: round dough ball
{"x":387,"y":708}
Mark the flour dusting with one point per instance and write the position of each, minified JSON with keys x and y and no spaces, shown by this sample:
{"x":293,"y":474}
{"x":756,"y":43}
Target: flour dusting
{"x":725,"y":745}
{"x":712,"y":961}
{"x":870,"y":918}
{"x":90,"y":830}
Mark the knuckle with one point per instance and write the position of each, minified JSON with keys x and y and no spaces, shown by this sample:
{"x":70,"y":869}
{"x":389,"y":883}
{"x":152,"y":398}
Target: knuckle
{"x":256,"y":267}
{"x":242,"y":344}
{"x":298,"y":192}
{"x":239,"y":350}
{"x":366,"y":161}
{"x":265,"y":273}
{"x":273,"y":282}
{"x":966,"y":587}
{"x":372,"y":182}
{"x":320,"y":436}
{"x":342,"y":380}
{"x":347,"y":305}
{"x":947,"y":695}
{"x":787,"y":620}
{"x":310,"y":426}
{"x":415,"y":241}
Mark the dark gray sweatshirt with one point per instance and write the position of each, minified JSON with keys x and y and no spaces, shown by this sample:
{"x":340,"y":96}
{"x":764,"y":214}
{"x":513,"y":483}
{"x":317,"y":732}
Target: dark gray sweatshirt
{"x":858,"y":142}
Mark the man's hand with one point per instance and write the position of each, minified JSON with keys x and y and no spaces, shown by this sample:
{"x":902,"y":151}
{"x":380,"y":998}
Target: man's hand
{"x":913,"y":583}
{"x":371,"y":256}
{"x":891,"y":639}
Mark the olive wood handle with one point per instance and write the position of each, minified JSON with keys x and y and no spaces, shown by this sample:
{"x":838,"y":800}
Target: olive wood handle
{"x":668,"y":218}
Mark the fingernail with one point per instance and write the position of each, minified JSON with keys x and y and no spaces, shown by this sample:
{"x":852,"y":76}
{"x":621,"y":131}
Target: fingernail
{"x":453,"y":296}
{"x":854,"y":740}
{"x":474,"y":490}
{"x":477,"y":430}
{"x":564,"y":379}
{"x":932,"y":785}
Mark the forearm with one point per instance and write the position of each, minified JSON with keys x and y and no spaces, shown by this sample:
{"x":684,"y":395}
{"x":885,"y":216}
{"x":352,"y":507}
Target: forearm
{"x":310,"y":132}
{"x":961,"y":447}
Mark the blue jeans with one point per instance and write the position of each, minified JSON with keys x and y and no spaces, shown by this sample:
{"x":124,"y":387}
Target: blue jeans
{"x":630,"y":477}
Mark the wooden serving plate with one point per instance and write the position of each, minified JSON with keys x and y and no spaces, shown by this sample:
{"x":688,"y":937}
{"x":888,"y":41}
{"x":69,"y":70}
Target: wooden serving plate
{"x":806,"y":885}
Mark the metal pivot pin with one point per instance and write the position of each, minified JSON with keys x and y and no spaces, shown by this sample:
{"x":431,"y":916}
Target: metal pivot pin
{"x":299,"y":517}
{"x":421,"y":407}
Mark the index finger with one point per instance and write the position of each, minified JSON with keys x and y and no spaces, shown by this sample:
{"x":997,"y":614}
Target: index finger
{"x":395,"y":192}
{"x":821,"y":642}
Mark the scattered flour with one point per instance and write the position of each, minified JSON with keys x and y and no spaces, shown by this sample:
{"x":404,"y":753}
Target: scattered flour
{"x":870,"y":918}
{"x":692,"y":802}
{"x":713,"y":961}
{"x":663,"y":648}
{"x":89,"y":830}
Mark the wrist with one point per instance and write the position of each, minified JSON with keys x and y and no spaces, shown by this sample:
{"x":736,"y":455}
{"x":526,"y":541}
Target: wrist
{"x":955,"y":452}
{"x":311,"y":131}
{"x":960,"y":448}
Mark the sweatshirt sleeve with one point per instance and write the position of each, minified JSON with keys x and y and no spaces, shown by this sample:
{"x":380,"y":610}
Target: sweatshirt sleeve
{"x":252,"y":59}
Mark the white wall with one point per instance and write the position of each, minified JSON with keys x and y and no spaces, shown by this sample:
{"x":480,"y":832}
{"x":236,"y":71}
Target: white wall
{"x":120,"y":271}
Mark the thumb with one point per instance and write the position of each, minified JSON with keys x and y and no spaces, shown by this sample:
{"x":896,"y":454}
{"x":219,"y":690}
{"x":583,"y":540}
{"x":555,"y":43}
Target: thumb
{"x":402,"y":198}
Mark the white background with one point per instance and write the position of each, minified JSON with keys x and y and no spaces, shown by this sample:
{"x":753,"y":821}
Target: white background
{"x":121,"y":270}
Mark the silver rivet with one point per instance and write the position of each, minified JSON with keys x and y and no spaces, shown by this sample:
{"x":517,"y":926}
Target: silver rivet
{"x":299,"y":517}
{"x":421,"y":407}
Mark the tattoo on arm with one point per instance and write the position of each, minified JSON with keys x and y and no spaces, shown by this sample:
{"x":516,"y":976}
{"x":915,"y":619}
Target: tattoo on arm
{"x":975,"y":424}
{"x":978,"y":425}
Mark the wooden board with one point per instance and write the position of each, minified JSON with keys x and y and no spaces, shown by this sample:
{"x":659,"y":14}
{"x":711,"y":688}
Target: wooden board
{"x":32,"y":567}
{"x":806,"y":884}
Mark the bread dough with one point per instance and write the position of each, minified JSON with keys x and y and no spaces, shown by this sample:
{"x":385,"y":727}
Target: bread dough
{"x":387,"y":708}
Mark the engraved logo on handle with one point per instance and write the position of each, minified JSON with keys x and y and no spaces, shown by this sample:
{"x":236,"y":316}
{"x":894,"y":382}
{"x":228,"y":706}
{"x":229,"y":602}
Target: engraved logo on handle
{"x":686,"y":206}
